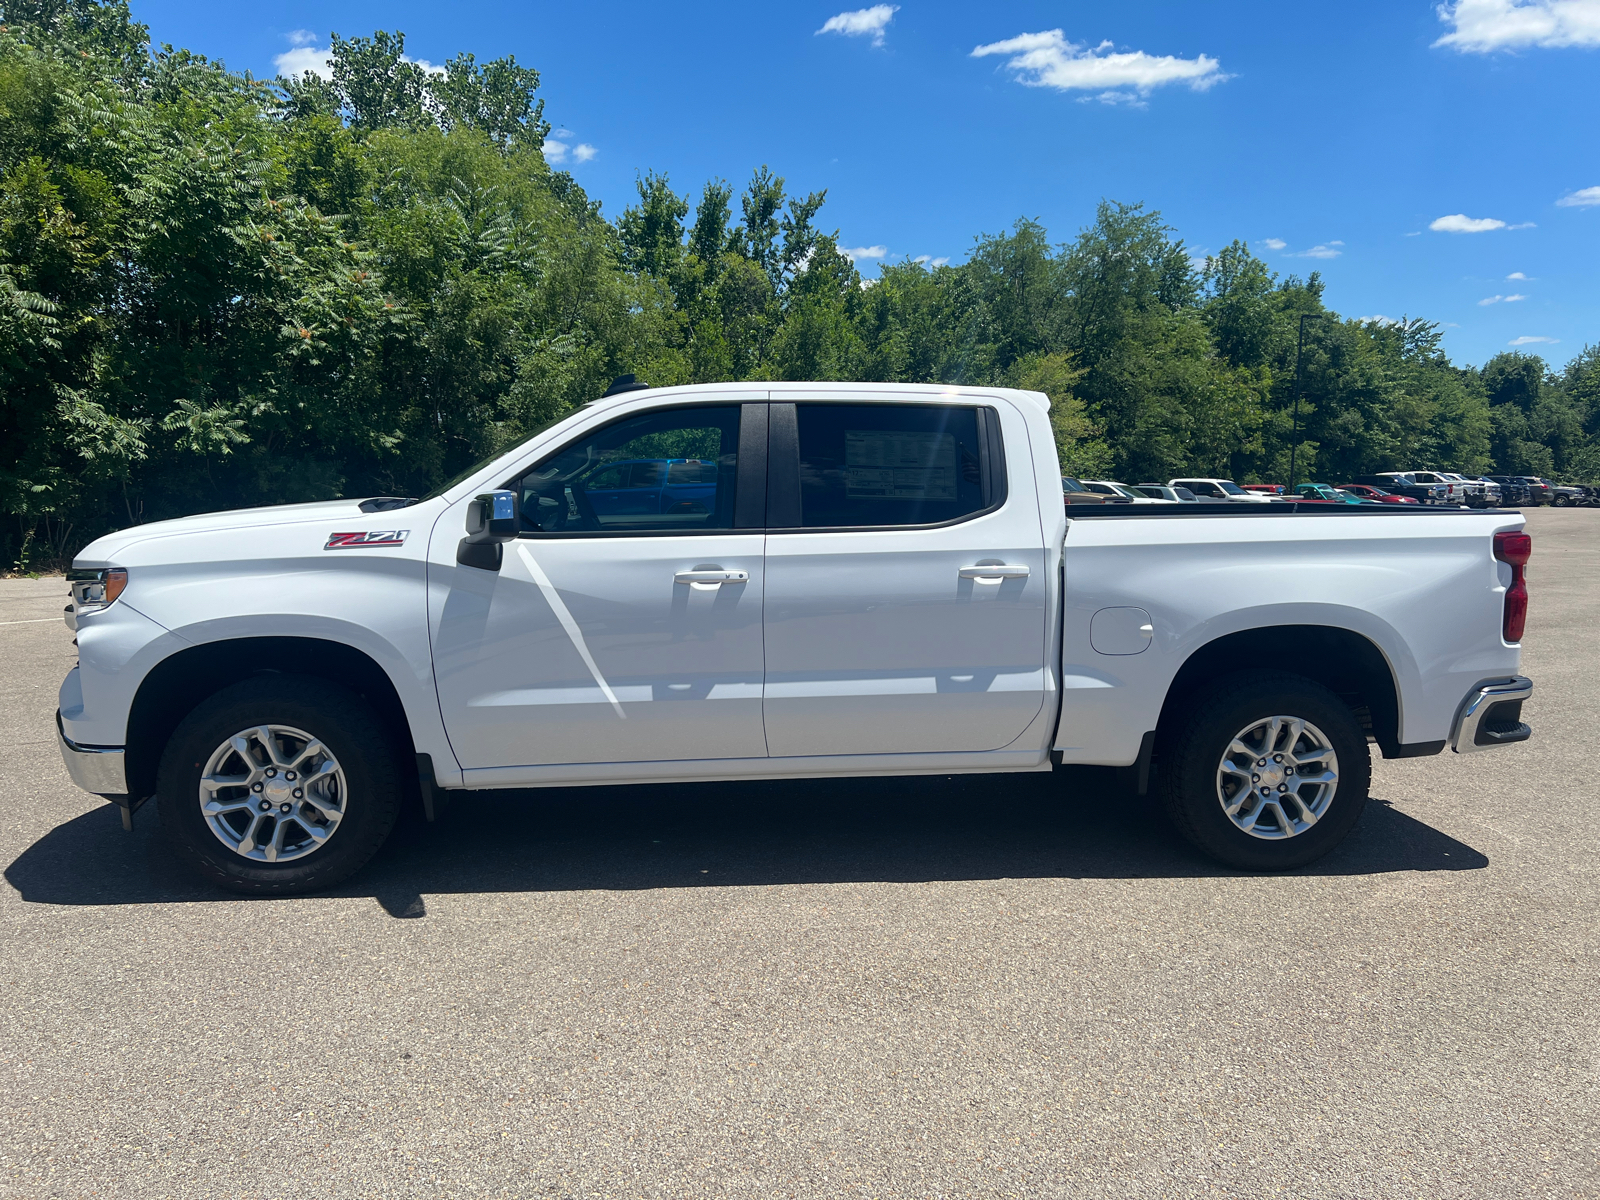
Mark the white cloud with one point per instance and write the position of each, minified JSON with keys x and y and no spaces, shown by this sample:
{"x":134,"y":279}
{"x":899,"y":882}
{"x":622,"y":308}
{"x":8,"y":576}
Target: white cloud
{"x":1415,"y":233}
{"x":1273,"y":243}
{"x":1461,"y":223}
{"x":1523,"y":225}
{"x":1512,"y":299}
{"x":927,"y":260}
{"x":1517,"y":275}
{"x":1532,"y":341}
{"x":1379,"y":318}
{"x":1582,"y":198}
{"x":1483,"y":26}
{"x":556,"y":148}
{"x":301,"y":37}
{"x":1047,"y":59}
{"x":302,"y":59}
{"x":857,"y":253}
{"x":863,"y":22}
{"x":1327,"y":251}
{"x":1131,"y":99}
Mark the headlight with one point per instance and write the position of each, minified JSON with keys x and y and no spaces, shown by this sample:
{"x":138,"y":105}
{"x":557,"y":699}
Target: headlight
{"x":96,"y":589}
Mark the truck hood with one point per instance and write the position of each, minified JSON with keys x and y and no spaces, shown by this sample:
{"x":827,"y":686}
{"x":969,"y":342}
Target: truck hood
{"x":103,"y":551}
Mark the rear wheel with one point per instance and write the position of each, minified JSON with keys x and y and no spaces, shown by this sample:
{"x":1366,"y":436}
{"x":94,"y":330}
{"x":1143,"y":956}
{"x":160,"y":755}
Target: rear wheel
{"x":1269,"y":775}
{"x":279,"y":784}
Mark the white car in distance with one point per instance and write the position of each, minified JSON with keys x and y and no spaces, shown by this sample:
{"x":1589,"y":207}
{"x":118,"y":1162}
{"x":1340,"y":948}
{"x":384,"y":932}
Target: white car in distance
{"x":1221,"y":490}
{"x":1121,"y":491}
{"x":1160,"y":491}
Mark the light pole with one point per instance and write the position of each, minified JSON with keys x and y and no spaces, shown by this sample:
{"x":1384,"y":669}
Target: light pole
{"x":1299,"y":353}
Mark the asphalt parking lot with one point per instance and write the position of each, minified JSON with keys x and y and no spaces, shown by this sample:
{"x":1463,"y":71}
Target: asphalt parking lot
{"x":981,"y":986}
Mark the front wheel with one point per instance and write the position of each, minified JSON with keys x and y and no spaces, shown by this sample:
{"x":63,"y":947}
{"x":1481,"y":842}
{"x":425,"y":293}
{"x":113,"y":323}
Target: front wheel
{"x":279,"y":785}
{"x":1267,"y":772}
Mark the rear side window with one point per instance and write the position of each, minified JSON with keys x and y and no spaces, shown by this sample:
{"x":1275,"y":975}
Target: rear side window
{"x":864,"y":465}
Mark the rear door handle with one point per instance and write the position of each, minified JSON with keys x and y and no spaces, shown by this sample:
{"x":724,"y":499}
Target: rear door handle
{"x":991,"y":571}
{"x":713,"y":578}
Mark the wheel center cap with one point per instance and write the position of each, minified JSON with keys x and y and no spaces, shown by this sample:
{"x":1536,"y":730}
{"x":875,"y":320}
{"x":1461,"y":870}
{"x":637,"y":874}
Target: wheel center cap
{"x":1271,"y":774}
{"x":278,"y":789}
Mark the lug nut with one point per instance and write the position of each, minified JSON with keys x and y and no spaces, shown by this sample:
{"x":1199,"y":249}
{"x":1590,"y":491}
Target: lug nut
{"x":264,"y":806}
{"x":1283,"y":787}
{"x":283,"y":808}
{"x":1261,"y":762}
{"x":1255,"y":779}
{"x":255,"y":787}
{"x":299,"y":794}
{"x":1288,"y":770}
{"x":288,"y":774}
{"x":1277,"y":758}
{"x":272,"y":772}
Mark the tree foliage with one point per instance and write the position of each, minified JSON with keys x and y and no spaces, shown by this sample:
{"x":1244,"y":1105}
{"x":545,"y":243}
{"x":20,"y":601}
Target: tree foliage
{"x":218,"y":291}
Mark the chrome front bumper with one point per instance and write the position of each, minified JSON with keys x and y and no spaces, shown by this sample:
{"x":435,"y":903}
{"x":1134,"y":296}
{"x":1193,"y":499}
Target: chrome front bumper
{"x":1491,"y":716}
{"x":97,"y":769}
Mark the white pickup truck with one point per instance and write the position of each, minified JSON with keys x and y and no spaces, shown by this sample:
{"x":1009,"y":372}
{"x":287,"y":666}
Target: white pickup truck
{"x":757,"y":581}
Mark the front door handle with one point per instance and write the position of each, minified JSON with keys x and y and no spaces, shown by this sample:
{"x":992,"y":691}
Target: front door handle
{"x":994,"y":572}
{"x":711,"y":578}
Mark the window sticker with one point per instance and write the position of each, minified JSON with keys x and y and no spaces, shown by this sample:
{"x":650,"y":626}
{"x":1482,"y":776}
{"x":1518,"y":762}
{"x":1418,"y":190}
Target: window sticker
{"x":894,"y":464}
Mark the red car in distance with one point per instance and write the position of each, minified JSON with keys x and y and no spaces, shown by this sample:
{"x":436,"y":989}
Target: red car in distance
{"x":1368,"y":492}
{"x":1266,"y":489}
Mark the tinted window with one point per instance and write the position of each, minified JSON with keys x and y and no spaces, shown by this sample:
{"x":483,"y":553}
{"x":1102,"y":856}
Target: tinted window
{"x":888,"y":464}
{"x":1184,"y":493}
{"x":671,"y":469}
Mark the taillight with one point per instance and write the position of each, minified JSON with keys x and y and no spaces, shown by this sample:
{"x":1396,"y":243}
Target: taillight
{"x":1513,"y":549}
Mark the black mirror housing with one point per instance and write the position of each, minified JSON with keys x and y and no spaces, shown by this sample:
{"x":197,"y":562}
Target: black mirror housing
{"x":491,"y":521}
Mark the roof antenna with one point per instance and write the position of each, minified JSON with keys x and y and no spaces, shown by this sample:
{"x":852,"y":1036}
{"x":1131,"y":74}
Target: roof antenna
{"x":624,"y":383}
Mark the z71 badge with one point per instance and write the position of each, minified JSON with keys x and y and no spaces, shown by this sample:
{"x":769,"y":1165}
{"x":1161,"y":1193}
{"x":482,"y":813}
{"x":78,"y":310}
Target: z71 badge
{"x":360,"y":541}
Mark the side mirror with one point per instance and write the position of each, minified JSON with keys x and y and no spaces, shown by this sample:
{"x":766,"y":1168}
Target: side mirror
{"x":491,"y":521}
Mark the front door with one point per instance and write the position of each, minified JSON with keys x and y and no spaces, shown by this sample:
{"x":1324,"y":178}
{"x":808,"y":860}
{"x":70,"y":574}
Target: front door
{"x":623,"y":626}
{"x":906,"y":601}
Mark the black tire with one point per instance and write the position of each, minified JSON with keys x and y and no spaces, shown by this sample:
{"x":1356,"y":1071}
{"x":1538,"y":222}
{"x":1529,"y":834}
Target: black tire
{"x":1191,"y":752}
{"x":343,"y":722}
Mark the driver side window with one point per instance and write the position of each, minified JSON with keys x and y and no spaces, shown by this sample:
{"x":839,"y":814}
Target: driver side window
{"x":664,"y":471}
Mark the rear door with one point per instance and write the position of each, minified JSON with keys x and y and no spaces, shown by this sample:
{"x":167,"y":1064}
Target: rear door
{"x":905,"y":600}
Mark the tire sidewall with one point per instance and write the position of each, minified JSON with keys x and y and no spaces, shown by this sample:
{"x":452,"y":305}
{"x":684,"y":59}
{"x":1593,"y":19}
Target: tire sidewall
{"x":338,"y":718}
{"x":1192,"y":784}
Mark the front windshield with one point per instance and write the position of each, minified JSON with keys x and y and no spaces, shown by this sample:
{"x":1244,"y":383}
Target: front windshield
{"x":1233,"y":489}
{"x":1071,"y":485}
{"x":1124,"y":490}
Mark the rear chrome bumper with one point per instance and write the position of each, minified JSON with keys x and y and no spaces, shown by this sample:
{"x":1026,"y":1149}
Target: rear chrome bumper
{"x":1491,"y":716}
{"x":97,"y":769}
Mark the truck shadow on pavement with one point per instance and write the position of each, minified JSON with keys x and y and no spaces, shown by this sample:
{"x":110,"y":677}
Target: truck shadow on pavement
{"x":1072,"y":824}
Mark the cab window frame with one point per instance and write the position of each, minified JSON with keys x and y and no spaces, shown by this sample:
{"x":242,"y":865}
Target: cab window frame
{"x":748,"y":473}
{"x":783,"y":468}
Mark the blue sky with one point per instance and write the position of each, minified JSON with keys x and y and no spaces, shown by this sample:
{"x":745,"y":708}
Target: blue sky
{"x":1430,"y":160}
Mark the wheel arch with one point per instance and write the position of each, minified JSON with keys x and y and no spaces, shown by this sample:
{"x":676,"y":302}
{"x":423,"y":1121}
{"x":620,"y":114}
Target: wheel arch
{"x":178,"y":683}
{"x":1347,"y":663}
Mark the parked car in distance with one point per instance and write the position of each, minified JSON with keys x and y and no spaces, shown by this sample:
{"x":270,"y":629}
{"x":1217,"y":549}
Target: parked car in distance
{"x":1367,"y":492}
{"x":1327,"y":493}
{"x":1512,"y":490}
{"x":1264,"y":489}
{"x":1224,"y":490}
{"x":1566,"y":496}
{"x":1539,"y":490}
{"x":1401,"y":483}
{"x":1160,"y":491}
{"x":1073,"y":492}
{"x":1114,"y":492}
{"x":1474,"y":492}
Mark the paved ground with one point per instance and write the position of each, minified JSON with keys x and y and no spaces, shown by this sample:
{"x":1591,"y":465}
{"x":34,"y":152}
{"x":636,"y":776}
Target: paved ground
{"x":972,"y":987}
